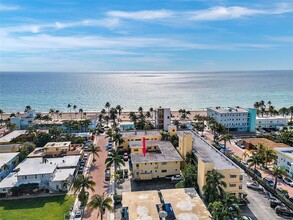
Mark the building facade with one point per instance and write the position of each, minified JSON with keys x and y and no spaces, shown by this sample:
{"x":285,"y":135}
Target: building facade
{"x":24,"y":120}
{"x":285,"y":159}
{"x":234,"y":119}
{"x":208,"y":158}
{"x":162,"y":118}
{"x":7,"y":163}
{"x":271,"y":122}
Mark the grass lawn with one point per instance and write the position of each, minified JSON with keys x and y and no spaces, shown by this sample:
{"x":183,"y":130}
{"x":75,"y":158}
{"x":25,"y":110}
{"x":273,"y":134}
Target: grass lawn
{"x":47,"y":208}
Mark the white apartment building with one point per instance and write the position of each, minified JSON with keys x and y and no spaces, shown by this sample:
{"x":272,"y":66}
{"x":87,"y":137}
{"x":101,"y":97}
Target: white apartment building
{"x":49,"y":173}
{"x":162,"y":118}
{"x":24,"y":120}
{"x":271,"y":122}
{"x":234,"y":119}
{"x":285,"y":159}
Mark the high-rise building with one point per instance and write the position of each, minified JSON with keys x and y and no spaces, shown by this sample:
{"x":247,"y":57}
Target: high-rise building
{"x":162,"y":118}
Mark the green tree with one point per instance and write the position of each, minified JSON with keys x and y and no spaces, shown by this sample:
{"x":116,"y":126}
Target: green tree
{"x":189,"y":159}
{"x":114,"y":158}
{"x":276,"y":172}
{"x":94,"y":151}
{"x":133,"y":117}
{"x":100,"y":202}
{"x":27,"y":108}
{"x":119,"y":109}
{"x":284,"y":111}
{"x":108,"y":105}
{"x":1,"y":114}
{"x":226,"y":138}
{"x":80,"y":112}
{"x":69,"y":106}
{"x":290,"y":110}
{"x":117,"y":138}
{"x":189,"y":177}
{"x":81,"y":183}
{"x":218,"y":211}
{"x":165,"y":135}
{"x":254,"y":160}
{"x":214,"y":187}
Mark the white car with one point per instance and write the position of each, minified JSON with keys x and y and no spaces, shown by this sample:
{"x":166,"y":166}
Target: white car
{"x":176,"y":178}
{"x":254,"y":185}
{"x":288,"y":181}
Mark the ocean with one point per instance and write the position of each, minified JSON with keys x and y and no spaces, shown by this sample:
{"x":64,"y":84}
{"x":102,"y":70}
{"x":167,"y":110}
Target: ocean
{"x":192,"y":91}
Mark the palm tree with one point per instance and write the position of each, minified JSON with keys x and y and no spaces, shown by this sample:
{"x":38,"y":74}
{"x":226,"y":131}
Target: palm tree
{"x":119,"y":109}
{"x":214,"y":187}
{"x":290,"y":109}
{"x":269,"y":156}
{"x":151,"y":111}
{"x":226,"y":138}
{"x":283,"y":111}
{"x":74,"y":107}
{"x":108,"y":105}
{"x":133,"y":117}
{"x":5,"y":166}
{"x":276,"y":172}
{"x":27,"y":108}
{"x":117,"y":138}
{"x":94,"y":151}
{"x":269,"y":103}
{"x":148,"y":114}
{"x":254,"y":160}
{"x":113,"y":115}
{"x":244,"y":155}
{"x":51,"y":112}
{"x":107,"y":118}
{"x":1,"y":113}
{"x":57,"y":112}
{"x":218,"y":211}
{"x":80,"y":112}
{"x":82,"y":183}
{"x":109,"y":133}
{"x":114,"y":158}
{"x":69,"y":106}
{"x":100,"y":202}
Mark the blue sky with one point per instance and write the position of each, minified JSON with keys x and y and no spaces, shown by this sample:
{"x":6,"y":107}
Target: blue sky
{"x":178,"y":35}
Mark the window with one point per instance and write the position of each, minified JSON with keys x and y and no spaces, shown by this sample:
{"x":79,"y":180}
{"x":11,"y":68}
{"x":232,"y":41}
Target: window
{"x":240,"y":186}
{"x":135,"y":150}
{"x":25,"y":177}
{"x":232,"y":184}
{"x":164,"y":171}
{"x":241,"y":177}
{"x":233,"y":176}
{"x":164,"y":163}
{"x":36,"y":176}
{"x":137,"y":165}
{"x":288,"y":163}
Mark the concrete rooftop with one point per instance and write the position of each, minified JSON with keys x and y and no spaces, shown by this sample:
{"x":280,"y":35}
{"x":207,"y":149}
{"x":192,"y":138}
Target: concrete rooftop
{"x":6,"y":157}
{"x":229,"y":110}
{"x":140,"y":134}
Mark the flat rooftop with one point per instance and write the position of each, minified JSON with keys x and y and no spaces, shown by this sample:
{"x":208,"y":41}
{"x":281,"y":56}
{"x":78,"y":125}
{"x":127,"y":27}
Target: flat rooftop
{"x":208,"y":154}
{"x":140,"y":134}
{"x":271,"y":144}
{"x":288,"y":151}
{"x":66,"y":161}
{"x":229,"y":110}
{"x":141,"y":205}
{"x":34,"y":166}
{"x":168,"y":152}
{"x":272,"y":117}
{"x":186,"y":204}
{"x":58,"y":144}
{"x":6,"y":157}
{"x":62,"y":174}
{"x":9,"y":181}
{"x":11,"y":135}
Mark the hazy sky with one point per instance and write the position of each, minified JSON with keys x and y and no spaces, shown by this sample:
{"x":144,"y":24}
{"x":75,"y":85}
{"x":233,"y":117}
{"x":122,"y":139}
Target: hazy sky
{"x":98,"y":35}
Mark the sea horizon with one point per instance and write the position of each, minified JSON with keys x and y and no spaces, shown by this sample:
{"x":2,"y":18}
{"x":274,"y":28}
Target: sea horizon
{"x":131,"y":89}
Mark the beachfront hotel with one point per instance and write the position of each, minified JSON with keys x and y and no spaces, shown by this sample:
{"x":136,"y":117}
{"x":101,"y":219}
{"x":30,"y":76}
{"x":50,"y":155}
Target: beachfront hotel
{"x":162,"y":118}
{"x":24,"y":120}
{"x":208,"y":158}
{"x":178,"y":204}
{"x":234,"y":119}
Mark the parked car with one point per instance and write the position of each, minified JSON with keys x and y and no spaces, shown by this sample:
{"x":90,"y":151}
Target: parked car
{"x":257,"y":172}
{"x":176,"y":178}
{"x":78,"y":215}
{"x":283,"y":192}
{"x":107,"y":175}
{"x":283,"y":210}
{"x":254,"y":185}
{"x":244,"y":217}
{"x":245,"y":164}
{"x":275,"y":202}
{"x":291,"y":199}
{"x":125,"y":156}
{"x":288,"y":181}
{"x":269,"y":181}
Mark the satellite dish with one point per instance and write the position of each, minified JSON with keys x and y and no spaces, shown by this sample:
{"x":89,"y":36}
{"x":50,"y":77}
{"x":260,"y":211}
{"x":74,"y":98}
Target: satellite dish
{"x":163,"y":214}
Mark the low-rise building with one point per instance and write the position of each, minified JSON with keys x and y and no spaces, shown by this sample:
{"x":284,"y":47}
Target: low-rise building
{"x":181,"y":204}
{"x":285,"y":159}
{"x":234,"y":119}
{"x":252,"y":143}
{"x":271,"y":122}
{"x":129,"y":136}
{"x":162,"y":118}
{"x":161,"y":159}
{"x":24,"y":120}
{"x":8,"y":148}
{"x":53,"y":174}
{"x":126,"y":126}
{"x":14,"y":134}
{"x":7,"y":163}
{"x":208,"y":158}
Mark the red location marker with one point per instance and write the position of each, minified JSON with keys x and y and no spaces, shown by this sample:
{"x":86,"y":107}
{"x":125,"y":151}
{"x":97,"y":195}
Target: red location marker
{"x":144,"y":146}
